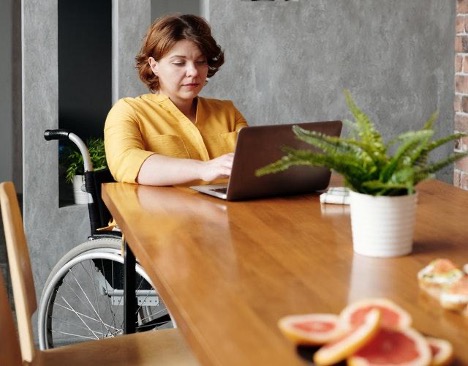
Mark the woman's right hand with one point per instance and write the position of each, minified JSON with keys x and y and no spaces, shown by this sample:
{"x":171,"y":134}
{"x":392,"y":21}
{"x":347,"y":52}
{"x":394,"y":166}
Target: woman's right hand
{"x":219,"y":167}
{"x":159,"y":170}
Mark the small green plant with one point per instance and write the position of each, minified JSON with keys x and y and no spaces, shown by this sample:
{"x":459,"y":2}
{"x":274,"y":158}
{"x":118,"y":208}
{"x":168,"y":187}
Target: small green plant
{"x":72,"y":159}
{"x":365,"y":161}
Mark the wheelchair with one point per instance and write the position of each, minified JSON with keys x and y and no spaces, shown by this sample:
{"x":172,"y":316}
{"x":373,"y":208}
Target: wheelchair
{"x":83,"y":296}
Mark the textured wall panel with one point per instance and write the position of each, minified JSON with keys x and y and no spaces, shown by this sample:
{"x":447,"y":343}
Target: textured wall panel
{"x":53,"y":231}
{"x":129,"y":26}
{"x":289,"y":61}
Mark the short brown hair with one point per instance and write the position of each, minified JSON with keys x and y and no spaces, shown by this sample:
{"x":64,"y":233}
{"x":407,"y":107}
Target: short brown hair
{"x":165,"y":32}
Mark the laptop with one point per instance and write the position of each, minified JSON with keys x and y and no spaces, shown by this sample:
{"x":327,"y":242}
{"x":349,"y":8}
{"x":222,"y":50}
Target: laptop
{"x":258,"y":146}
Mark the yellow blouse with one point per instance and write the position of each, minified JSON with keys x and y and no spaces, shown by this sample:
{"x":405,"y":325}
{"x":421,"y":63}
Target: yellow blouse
{"x":136,"y":128}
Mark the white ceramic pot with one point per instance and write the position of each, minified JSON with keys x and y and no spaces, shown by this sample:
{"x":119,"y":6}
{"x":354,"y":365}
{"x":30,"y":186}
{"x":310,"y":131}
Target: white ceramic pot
{"x":79,"y":191}
{"x":382,"y":226}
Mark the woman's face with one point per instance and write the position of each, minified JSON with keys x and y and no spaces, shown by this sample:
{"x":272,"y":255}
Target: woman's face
{"x":182,"y":72}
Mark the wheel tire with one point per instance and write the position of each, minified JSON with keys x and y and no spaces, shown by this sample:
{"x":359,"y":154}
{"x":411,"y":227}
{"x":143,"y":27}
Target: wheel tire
{"x":82,"y":299}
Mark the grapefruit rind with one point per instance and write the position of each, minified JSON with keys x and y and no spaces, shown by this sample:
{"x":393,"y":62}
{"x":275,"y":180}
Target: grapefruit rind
{"x":392,"y":314}
{"x":349,"y":343}
{"x":311,"y":329}
{"x":439,"y":272}
{"x":381,"y":345}
{"x":444,"y":355}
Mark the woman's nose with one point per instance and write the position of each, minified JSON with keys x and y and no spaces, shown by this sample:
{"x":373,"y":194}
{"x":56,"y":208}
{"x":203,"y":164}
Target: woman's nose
{"x":191,"y":69}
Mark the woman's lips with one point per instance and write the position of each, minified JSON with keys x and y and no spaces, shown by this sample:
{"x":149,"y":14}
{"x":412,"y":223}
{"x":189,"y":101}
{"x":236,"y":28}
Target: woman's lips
{"x":191,"y":86}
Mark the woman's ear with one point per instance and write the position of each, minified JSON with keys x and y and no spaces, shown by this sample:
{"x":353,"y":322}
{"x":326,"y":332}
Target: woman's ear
{"x":153,"y":65}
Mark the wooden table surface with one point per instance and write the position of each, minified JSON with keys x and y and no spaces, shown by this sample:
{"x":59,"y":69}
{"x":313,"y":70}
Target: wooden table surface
{"x":229,"y":270}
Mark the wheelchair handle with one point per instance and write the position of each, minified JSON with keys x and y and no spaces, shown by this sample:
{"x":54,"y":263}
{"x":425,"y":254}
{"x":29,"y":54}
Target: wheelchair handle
{"x":61,"y":134}
{"x":58,"y":134}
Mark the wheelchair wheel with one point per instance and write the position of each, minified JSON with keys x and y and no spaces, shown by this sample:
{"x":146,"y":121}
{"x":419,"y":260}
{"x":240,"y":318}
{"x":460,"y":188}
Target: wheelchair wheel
{"x":83,"y":297}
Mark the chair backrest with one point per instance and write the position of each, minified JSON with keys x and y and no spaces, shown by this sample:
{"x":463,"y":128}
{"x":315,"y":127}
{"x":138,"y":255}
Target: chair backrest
{"x":22,"y":280}
{"x":10,"y":353}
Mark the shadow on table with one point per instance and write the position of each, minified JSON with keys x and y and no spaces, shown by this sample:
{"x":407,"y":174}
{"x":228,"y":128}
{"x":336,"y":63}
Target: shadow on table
{"x":307,"y":354}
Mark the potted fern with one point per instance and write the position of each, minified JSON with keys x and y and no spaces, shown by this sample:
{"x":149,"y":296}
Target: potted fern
{"x":382,"y":177}
{"x":72,"y":160}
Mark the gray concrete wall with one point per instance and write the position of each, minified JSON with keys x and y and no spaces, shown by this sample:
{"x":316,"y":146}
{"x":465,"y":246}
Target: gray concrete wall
{"x":6,"y":84}
{"x":289,"y":61}
{"x":10,"y":106}
{"x":129,"y":23}
{"x":162,"y":7}
{"x":50,"y":231}
{"x":53,"y":231}
{"x":10,"y":96}
{"x":6,"y":112}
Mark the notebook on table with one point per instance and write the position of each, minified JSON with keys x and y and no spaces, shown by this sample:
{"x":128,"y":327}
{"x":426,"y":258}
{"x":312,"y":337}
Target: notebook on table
{"x":258,"y":146}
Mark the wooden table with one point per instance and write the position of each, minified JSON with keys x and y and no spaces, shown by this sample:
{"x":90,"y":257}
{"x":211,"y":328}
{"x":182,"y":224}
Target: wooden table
{"x":229,"y":270}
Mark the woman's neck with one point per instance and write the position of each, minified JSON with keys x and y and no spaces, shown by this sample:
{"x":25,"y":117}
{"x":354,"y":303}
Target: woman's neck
{"x":189,"y":109}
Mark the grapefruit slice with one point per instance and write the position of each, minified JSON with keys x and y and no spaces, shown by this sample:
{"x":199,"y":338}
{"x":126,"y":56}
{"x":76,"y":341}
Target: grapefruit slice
{"x":442,"y":351}
{"x":339,"y":349}
{"x":436,"y":275}
{"x":392,"y":314}
{"x":455,"y":295}
{"x":311,"y":329}
{"x":393,"y":347}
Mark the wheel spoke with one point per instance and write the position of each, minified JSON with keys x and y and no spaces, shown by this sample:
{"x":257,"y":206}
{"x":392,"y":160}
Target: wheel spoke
{"x":86,"y":297}
{"x":82,"y":316}
{"x":88,"y":301}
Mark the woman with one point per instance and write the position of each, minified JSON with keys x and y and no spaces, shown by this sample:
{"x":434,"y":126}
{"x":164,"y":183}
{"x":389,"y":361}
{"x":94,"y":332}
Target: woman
{"x":171,"y":135}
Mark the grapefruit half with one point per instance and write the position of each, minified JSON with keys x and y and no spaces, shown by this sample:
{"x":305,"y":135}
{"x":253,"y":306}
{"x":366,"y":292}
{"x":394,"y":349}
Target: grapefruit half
{"x":311,"y":329}
{"x":393,"y":347}
{"x":392,"y":314}
{"x":442,"y":351}
{"x":355,"y":338}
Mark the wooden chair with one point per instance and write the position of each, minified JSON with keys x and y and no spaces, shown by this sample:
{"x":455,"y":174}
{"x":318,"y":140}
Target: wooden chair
{"x":162,"y":347}
{"x":10,"y":353}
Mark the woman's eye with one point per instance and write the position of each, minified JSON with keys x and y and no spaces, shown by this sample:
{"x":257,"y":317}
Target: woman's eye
{"x":183,"y":63}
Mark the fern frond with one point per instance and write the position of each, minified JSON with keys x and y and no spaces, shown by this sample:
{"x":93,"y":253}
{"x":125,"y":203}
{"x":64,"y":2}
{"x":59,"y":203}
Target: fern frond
{"x":333,"y":145}
{"x":378,"y":188}
{"x":364,"y":160}
{"x":412,"y":146}
{"x":430,"y":122}
{"x":366,"y":130}
{"x":434,"y":167}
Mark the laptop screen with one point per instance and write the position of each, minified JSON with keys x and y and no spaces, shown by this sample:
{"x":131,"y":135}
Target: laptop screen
{"x":258,"y":146}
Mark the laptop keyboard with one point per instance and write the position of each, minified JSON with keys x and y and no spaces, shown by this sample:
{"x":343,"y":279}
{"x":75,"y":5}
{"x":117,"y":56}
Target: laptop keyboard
{"x":220,"y":190}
